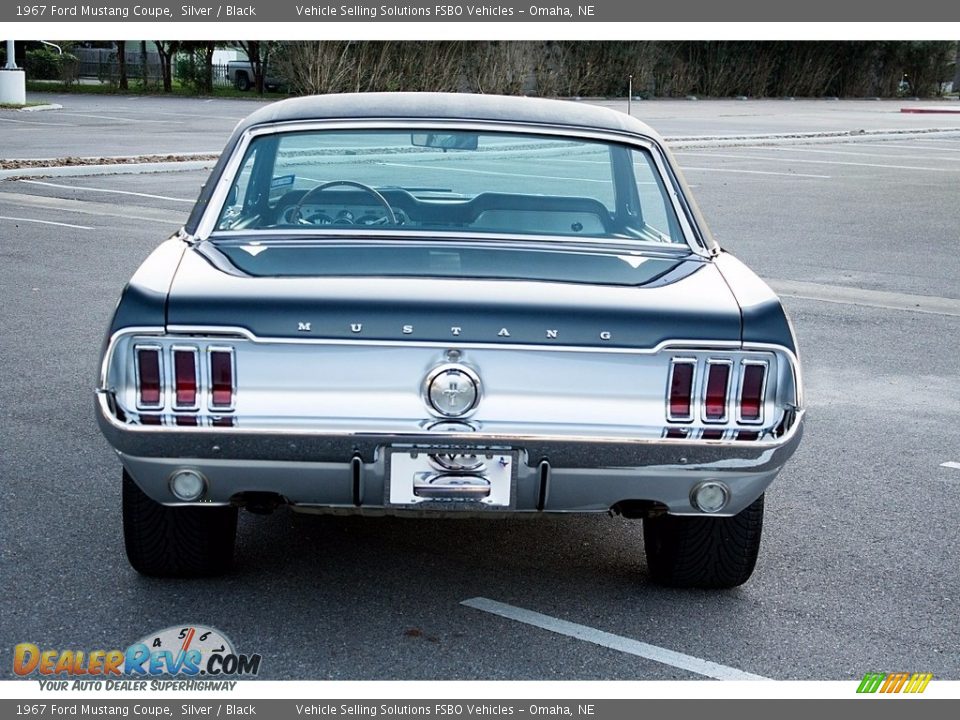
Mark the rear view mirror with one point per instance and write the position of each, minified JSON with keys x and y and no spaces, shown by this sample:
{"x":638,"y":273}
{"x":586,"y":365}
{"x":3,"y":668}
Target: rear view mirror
{"x":445,"y":141}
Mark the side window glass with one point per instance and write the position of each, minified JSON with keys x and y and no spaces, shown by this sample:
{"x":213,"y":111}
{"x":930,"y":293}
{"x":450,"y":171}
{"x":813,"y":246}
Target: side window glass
{"x":240,"y":201}
{"x":653,"y":199}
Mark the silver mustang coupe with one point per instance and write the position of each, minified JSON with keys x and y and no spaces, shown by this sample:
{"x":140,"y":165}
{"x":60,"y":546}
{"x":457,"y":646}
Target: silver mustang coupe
{"x":448,"y":305}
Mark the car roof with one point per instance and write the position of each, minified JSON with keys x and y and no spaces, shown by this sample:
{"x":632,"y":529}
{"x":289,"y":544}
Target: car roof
{"x":448,"y":106}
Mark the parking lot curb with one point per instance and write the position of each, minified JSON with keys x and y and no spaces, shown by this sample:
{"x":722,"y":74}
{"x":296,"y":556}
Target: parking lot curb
{"x":107,"y":169}
{"x":825,"y":136}
{"x":41,"y":108}
{"x":932,"y":110}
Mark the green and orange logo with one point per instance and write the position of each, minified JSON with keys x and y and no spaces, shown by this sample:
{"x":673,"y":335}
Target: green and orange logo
{"x":895,"y":682}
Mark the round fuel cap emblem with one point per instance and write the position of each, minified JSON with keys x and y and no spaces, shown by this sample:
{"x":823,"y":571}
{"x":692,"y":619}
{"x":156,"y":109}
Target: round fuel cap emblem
{"x":452,"y":391}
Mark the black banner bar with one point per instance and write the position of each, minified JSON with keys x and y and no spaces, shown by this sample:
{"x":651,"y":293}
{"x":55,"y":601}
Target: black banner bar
{"x":230,"y":709}
{"x":307,"y":11}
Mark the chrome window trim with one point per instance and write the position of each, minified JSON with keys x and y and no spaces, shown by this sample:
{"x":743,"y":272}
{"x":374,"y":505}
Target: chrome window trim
{"x":691,"y":237}
{"x":141,"y":405}
{"x":195,"y":352}
{"x":233,"y":378}
{"x":744,"y":364}
{"x":727,"y":391}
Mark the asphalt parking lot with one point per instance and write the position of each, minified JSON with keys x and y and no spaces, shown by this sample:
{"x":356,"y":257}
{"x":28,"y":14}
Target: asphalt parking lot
{"x":855,"y":574}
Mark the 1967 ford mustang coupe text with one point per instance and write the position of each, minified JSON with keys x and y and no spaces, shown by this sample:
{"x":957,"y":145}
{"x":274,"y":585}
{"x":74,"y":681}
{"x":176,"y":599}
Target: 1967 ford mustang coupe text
{"x":429,"y":304}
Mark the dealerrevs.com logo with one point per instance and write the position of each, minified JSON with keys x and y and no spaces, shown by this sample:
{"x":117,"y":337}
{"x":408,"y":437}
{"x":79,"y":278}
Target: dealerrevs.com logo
{"x":190,"y":651}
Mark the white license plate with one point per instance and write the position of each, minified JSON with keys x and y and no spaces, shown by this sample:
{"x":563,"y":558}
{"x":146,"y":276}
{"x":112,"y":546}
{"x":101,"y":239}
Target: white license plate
{"x":448,"y":476}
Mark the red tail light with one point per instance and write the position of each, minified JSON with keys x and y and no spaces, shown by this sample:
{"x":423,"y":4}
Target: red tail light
{"x":718,"y":382}
{"x":681,"y":389}
{"x":751,"y":391}
{"x":149,"y":385}
{"x":221,"y":379}
{"x":185,"y":377}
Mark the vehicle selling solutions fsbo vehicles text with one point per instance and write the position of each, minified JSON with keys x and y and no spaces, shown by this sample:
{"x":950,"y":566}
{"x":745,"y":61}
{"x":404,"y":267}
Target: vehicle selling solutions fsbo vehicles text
{"x":374,"y":11}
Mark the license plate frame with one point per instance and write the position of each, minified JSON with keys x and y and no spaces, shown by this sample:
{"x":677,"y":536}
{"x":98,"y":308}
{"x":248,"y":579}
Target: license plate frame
{"x":407,"y":468}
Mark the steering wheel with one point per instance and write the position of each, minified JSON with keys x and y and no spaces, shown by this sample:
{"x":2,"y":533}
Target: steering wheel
{"x":381,"y":200}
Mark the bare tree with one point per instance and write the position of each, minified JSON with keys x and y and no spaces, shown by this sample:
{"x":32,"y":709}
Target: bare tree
{"x":144,"y":74}
{"x":122,"y":63}
{"x":956,"y":70}
{"x":200,"y":76}
{"x":167,"y":49}
{"x":258,"y":54}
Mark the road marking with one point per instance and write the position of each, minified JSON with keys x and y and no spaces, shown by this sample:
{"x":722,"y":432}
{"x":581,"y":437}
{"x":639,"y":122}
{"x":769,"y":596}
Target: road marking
{"x":86,"y":207}
{"x":609,"y":640}
{"x":29,"y":122}
{"x":938,"y":146}
{"x":871,"y":298}
{"x":752,"y":172}
{"x":45,"y":222}
{"x":857,"y":154}
{"x":954,"y":465}
{"x":107,"y":190}
{"x":121,"y":119}
{"x":816,"y":162}
{"x":418,"y":166}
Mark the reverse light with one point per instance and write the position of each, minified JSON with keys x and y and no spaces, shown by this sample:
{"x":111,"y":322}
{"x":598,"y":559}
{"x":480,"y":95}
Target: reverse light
{"x":187,"y":485}
{"x":710,"y":496}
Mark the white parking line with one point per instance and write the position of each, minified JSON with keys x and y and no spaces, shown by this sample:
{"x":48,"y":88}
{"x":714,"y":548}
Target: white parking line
{"x":954,"y":465}
{"x":121,"y":119}
{"x":28,"y":122}
{"x":609,"y":640}
{"x":87,"y":207}
{"x":860,"y":154}
{"x":752,"y":172}
{"x":45,"y":222}
{"x":815,"y":162}
{"x":844,"y":295}
{"x":938,"y":146}
{"x":107,"y":190}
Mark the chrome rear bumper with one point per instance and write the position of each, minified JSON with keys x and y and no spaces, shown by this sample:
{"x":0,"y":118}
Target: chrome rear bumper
{"x":346,"y":469}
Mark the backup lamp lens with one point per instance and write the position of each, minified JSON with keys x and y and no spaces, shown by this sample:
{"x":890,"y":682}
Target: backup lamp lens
{"x":187,"y":485}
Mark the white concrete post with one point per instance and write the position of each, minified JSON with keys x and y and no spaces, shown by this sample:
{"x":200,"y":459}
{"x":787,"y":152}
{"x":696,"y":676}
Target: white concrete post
{"x":13,"y":81}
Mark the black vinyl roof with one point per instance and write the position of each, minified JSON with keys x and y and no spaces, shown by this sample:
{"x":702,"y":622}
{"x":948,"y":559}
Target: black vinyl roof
{"x":447,"y":106}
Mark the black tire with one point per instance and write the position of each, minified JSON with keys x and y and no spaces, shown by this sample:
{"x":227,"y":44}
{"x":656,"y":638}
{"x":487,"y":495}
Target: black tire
{"x":184,"y":541}
{"x":242,"y":81}
{"x":703,"y":552}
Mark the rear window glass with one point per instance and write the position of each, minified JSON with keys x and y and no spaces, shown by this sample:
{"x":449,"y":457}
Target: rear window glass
{"x":491,"y":183}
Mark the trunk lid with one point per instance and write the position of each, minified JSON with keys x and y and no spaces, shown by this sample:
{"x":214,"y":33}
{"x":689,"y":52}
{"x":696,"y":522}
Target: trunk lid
{"x":453,"y":294}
